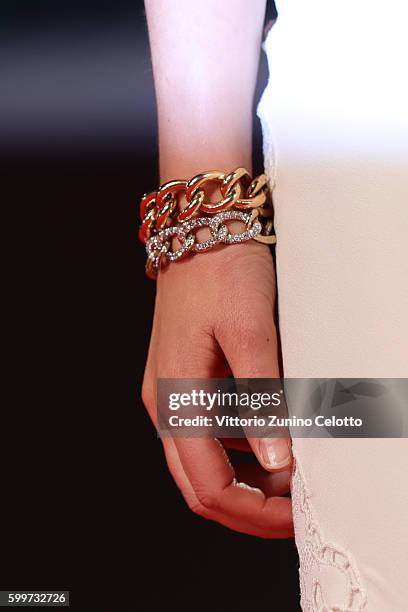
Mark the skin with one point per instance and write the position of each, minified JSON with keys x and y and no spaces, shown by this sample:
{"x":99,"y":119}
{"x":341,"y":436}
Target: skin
{"x":214,"y":313}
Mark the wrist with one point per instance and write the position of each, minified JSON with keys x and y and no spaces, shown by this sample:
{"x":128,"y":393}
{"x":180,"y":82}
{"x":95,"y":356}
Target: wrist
{"x":186,"y":163}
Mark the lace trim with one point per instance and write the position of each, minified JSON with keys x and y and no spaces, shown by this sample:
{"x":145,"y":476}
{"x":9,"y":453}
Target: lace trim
{"x":316,"y":555}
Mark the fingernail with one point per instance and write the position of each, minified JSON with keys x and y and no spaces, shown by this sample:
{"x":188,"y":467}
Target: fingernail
{"x":275,"y":452}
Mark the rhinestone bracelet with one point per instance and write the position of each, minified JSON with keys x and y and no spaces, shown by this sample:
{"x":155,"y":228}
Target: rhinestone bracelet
{"x":159,"y":247}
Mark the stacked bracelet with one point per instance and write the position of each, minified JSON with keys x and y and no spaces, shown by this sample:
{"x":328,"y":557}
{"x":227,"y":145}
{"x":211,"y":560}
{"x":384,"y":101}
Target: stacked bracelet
{"x":242,"y":199}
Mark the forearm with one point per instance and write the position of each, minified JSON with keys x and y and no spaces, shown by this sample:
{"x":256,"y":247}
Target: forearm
{"x":205,"y":61}
{"x":214,"y":313}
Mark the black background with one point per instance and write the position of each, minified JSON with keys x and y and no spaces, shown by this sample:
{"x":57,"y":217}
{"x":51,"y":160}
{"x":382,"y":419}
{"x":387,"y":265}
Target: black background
{"x":87,"y":503}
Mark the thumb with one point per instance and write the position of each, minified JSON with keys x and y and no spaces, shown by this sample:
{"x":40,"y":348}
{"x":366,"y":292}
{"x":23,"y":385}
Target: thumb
{"x":252,"y":352}
{"x":274,"y":454}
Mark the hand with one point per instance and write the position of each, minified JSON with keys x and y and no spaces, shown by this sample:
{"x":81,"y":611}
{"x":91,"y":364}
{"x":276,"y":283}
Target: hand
{"x":213,"y":318}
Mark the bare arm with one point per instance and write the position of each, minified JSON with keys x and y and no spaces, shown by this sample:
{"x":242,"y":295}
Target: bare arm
{"x":214,"y":312}
{"x":205,"y":61}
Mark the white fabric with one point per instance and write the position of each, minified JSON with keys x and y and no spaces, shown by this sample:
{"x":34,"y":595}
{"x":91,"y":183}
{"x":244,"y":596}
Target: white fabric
{"x":335,"y":124}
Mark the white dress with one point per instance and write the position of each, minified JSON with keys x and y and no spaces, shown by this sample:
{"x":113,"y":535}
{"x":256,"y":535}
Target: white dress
{"x":335,"y":123}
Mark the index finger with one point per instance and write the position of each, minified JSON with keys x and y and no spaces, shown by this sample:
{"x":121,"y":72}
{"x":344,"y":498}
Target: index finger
{"x":214,"y":482}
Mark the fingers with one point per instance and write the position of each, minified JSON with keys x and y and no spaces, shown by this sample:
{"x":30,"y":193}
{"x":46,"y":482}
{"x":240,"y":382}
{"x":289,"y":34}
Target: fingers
{"x":219,"y":493}
{"x":256,"y":475}
{"x":251,"y":350}
{"x":272,"y":453}
{"x":271,"y":484}
{"x":212,"y":489}
{"x":269,"y":451}
{"x":194,"y":503}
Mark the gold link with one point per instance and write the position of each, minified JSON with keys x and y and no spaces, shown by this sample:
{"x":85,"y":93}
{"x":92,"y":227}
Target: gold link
{"x":199,"y":181}
{"x":232,"y":179}
{"x":192,"y":207}
{"x":166,"y":201}
{"x":238,"y":192}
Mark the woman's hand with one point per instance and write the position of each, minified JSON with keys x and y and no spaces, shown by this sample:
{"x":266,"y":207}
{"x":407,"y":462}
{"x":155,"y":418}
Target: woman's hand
{"x":214,"y":316}
{"x":214,"y":311}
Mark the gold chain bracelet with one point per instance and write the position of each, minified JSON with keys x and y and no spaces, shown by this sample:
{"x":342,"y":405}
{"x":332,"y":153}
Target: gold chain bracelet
{"x":159,"y":209}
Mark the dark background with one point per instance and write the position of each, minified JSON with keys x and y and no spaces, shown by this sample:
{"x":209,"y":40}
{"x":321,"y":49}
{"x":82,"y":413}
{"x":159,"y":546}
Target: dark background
{"x":87,"y":503}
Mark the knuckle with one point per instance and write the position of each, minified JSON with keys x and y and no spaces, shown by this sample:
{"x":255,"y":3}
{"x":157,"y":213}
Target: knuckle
{"x":148,"y":393}
{"x":208,"y":500}
{"x":197,"y":508}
